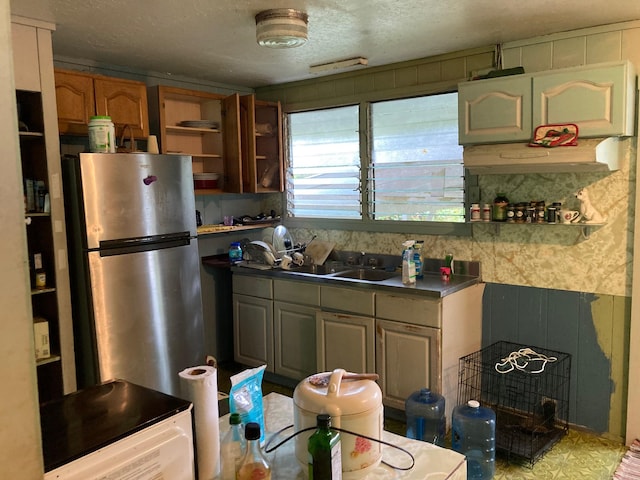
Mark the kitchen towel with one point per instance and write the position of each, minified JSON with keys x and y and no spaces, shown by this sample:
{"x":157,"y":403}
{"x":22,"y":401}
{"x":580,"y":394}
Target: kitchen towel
{"x":200,"y":386}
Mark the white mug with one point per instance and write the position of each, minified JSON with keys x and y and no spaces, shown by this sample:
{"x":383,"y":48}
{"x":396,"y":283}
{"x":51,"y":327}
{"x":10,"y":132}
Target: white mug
{"x":286,"y":262}
{"x":298,"y":259}
{"x":570,"y":216}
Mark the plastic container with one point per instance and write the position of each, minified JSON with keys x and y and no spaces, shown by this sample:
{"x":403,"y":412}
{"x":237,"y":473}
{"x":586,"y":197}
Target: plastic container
{"x":474,"y":214}
{"x":426,"y":419}
{"x":102,"y":135}
{"x":408,"y":264}
{"x":473,"y":433}
{"x":232,"y":448}
{"x":205,"y":180}
{"x":418,"y":258}
{"x":500,"y":208}
{"x":235,"y":252}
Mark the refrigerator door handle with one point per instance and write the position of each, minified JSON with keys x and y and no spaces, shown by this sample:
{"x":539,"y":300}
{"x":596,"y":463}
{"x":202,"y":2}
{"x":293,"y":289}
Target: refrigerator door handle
{"x":143,"y":244}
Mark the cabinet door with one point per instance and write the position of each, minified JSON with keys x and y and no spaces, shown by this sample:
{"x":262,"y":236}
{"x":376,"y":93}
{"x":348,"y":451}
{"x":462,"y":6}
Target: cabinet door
{"x":495,"y":110}
{"x":125,"y":101}
{"x":26,"y":68}
{"x":295,"y":340}
{"x":75,"y":102}
{"x":253,"y":331}
{"x":232,"y":144}
{"x":261,"y":134}
{"x":345,"y":341}
{"x":407,"y":359}
{"x":597,"y":99}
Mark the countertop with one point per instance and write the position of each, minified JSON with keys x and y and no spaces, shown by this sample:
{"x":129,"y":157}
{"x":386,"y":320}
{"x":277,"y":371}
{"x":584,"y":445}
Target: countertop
{"x":431,"y":285}
{"x":431,"y":461}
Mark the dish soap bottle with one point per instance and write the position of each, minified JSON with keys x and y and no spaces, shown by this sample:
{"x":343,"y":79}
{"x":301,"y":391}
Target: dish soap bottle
{"x":418,"y":259}
{"x":325,"y":454}
{"x":232,"y":448}
{"x":253,"y":464}
{"x":408,"y":264}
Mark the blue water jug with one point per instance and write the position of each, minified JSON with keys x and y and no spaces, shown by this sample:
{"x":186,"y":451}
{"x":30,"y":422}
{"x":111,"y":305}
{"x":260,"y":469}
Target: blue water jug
{"x":473,"y":433}
{"x":426,"y":420}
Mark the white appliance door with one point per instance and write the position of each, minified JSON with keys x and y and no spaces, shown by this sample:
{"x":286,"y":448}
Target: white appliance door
{"x":147,"y":315}
{"x":163,"y":451}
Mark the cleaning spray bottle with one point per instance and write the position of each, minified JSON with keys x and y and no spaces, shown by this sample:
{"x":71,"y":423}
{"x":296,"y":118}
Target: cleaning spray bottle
{"x":408,"y":264}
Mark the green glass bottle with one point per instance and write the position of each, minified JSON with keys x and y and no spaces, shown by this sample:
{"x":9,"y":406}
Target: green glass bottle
{"x":325,"y":454}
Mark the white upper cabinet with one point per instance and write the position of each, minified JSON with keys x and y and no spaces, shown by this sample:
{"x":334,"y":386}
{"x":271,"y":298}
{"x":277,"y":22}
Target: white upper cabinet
{"x":600,"y":99}
{"x":497,"y":110}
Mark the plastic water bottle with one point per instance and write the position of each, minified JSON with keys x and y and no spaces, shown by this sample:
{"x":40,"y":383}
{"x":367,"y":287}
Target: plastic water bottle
{"x":235,"y":252}
{"x":425,"y":416}
{"x":473,"y":433}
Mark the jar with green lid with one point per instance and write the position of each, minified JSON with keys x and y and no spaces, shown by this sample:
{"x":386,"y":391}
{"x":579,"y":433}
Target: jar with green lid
{"x":500,"y":207}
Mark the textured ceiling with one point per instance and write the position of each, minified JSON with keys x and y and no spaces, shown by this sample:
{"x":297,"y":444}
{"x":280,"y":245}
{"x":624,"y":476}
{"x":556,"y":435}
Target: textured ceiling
{"x":214,"y":40}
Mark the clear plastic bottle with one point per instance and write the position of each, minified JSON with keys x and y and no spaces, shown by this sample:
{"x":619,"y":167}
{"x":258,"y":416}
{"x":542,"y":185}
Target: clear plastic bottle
{"x":235,"y":252}
{"x":232,"y":448}
{"x":253,"y":465}
{"x":325,"y":454}
{"x":418,"y":258}
{"x":473,"y":433}
{"x":425,"y":416}
{"x":408,"y":264}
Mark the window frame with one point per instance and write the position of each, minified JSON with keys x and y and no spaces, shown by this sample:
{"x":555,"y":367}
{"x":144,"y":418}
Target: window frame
{"x":365,"y":223}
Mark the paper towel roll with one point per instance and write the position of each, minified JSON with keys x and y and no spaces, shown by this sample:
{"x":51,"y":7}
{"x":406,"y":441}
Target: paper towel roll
{"x":200,"y":385}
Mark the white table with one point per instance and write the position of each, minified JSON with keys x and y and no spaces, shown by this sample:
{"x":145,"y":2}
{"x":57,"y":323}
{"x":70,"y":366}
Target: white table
{"x":431,"y":461}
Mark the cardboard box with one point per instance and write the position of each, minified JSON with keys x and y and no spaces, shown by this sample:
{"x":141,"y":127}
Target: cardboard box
{"x":41,"y":338}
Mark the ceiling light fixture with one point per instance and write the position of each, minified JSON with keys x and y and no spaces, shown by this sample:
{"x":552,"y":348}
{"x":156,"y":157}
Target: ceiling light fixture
{"x":281,"y":28}
{"x":339,"y":65}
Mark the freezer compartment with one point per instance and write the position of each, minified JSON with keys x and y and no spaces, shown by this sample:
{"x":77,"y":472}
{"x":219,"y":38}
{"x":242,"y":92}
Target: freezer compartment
{"x":144,"y":319}
{"x":133,"y":195}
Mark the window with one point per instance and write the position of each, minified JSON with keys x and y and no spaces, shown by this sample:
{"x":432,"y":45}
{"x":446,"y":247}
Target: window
{"x":410,"y":170}
{"x":323,"y":178}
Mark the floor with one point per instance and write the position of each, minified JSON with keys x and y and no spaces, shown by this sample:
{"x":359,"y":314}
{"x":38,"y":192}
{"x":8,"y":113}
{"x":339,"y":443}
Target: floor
{"x":578,"y":456}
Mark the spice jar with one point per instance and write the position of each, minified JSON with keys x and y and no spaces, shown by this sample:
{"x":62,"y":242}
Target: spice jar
{"x":520,"y":212}
{"x":486,"y":212}
{"x":511,"y":213}
{"x":540,"y":207}
{"x":475,"y":212}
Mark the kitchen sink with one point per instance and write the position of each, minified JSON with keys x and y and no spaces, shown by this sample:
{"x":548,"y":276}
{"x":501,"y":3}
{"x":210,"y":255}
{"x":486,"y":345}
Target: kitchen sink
{"x":366,"y":274}
{"x":319,"y":269}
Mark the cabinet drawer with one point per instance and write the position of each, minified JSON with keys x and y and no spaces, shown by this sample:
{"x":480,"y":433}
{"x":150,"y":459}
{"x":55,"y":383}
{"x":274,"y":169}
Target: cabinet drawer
{"x":296,"y":292}
{"x":414,"y":310}
{"x":347,"y":300}
{"x":253,"y":286}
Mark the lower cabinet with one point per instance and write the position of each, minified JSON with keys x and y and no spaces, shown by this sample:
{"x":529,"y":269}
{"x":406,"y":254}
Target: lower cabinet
{"x":253,"y":321}
{"x":274,"y":323}
{"x":253,"y":331}
{"x":345,"y":341}
{"x":407,"y":359}
{"x":298,"y":328}
{"x":294,"y":339}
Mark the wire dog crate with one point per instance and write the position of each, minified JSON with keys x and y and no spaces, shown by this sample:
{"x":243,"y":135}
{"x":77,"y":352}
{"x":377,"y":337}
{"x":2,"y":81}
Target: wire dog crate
{"x":527,"y":387}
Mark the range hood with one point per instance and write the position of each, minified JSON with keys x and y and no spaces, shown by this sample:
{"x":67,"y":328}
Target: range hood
{"x":590,"y":155}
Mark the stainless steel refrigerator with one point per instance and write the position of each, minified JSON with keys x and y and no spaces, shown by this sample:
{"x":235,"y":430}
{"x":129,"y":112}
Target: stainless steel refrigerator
{"x":135,"y":268}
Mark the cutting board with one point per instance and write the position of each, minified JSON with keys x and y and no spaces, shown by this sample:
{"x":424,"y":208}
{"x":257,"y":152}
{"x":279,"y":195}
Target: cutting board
{"x":319,"y":250}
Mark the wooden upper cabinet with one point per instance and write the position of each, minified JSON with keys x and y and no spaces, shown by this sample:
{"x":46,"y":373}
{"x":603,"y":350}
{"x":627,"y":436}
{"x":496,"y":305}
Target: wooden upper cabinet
{"x":75,"y":101}
{"x":261,"y":139}
{"x":125,"y":101}
{"x":82,"y":95}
